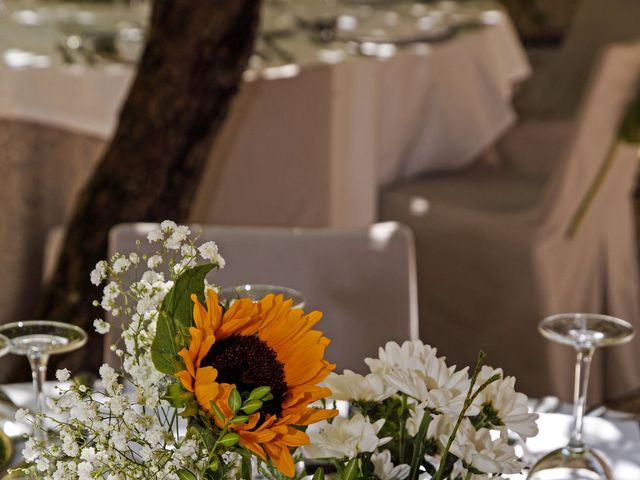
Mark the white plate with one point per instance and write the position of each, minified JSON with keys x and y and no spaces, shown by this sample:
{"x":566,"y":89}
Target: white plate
{"x":392,"y":28}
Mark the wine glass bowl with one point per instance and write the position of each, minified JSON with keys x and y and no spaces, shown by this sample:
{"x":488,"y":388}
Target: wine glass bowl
{"x":37,"y":340}
{"x":5,"y":345}
{"x":43,"y":337}
{"x":256,"y":292}
{"x":584,"y":332}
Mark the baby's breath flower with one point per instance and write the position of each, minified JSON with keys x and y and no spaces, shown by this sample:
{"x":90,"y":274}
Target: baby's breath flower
{"x":121,"y":264}
{"x":155,"y":236}
{"x":154,"y":261}
{"x":208,"y":250}
{"x":168,"y":226}
{"x":99,"y":273}
{"x":101,"y":326}
{"x":22,"y":415}
{"x":63,"y":374}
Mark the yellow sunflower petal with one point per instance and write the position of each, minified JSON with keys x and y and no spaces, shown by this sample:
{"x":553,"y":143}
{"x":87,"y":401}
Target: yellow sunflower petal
{"x":281,"y":458}
{"x":186,"y":379}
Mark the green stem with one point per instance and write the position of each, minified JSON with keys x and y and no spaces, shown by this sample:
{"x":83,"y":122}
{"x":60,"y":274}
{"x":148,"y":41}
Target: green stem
{"x":468,"y":401}
{"x":581,"y":212}
{"x":418,"y":446}
{"x":401,"y":433}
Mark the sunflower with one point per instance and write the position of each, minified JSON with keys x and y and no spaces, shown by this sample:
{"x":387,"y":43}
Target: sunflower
{"x":252,"y":345}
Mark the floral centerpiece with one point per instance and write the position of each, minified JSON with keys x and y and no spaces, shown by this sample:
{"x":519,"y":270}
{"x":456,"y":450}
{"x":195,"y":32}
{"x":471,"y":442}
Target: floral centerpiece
{"x":210,"y":390}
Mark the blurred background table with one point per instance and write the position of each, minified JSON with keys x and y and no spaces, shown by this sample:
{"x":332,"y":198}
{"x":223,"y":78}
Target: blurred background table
{"x":340,"y":117}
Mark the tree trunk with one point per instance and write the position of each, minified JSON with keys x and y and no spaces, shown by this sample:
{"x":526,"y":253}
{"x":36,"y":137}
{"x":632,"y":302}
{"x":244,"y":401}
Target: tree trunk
{"x":189,"y":73}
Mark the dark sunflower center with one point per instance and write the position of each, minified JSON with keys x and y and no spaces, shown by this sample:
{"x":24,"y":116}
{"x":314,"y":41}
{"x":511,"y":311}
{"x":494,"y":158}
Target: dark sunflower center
{"x":248,"y":362}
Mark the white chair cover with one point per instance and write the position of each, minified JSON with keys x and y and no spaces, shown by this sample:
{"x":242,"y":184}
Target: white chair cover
{"x":362,"y":279}
{"x":556,"y":89}
{"x":494,"y":258}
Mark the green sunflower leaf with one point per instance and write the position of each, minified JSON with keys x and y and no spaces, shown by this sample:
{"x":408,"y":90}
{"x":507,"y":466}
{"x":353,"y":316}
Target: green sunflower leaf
{"x":319,"y":475}
{"x":175,"y":317}
{"x":230,"y":439}
{"x":217,"y":411}
{"x":259,"y":393}
{"x":251,"y":406}
{"x":235,"y":400}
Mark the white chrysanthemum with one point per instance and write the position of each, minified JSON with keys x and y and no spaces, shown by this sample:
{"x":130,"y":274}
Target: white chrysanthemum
{"x":353,"y":386}
{"x":416,"y":370}
{"x":510,"y":406}
{"x":477,"y":449}
{"x":439,"y":427}
{"x":384,"y":469}
{"x":409,"y":355}
{"x":344,"y":438}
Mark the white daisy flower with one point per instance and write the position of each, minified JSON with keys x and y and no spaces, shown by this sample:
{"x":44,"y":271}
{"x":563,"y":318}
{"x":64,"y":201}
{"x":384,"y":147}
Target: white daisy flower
{"x":353,"y":386}
{"x":501,"y":400}
{"x":344,"y":437}
{"x":477,"y":449}
{"x":384,"y":469}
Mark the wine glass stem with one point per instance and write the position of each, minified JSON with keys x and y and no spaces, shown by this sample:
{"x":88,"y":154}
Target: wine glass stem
{"x":38,"y":362}
{"x":583,"y":363}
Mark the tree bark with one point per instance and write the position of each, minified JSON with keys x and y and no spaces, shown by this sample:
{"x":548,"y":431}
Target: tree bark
{"x":190,"y":71}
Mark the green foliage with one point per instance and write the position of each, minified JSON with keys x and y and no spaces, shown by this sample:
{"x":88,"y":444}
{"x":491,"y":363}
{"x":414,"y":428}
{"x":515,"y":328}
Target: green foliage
{"x":234,"y":400}
{"x":395,"y":414}
{"x":175,"y":317}
{"x":318,"y":475}
{"x":259,"y":393}
{"x":186,"y":475}
{"x":487,"y":418}
{"x":351,"y":470}
{"x":251,"y":406}
{"x":229,"y":439}
{"x":630,"y":127}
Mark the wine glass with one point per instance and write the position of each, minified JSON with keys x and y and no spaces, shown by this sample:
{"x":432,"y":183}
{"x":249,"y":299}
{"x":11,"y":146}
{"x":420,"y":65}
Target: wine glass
{"x":585,"y":332}
{"x":4,"y":345}
{"x":257,"y":291}
{"x":37,"y":340}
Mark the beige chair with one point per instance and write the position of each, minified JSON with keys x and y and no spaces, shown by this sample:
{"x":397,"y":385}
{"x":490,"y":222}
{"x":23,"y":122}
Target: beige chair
{"x":362,"y":279}
{"x":494,"y":258}
{"x":556,"y":87}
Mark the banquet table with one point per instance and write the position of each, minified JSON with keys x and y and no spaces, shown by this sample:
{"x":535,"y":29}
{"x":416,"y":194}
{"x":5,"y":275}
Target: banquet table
{"x":615,"y":434}
{"x":311,"y":139}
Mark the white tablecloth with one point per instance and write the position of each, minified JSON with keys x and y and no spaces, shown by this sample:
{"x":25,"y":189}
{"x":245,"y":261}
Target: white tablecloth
{"x":354,"y":124}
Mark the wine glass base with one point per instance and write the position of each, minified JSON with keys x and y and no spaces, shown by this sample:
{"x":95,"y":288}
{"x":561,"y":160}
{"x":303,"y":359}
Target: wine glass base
{"x":571,"y":464}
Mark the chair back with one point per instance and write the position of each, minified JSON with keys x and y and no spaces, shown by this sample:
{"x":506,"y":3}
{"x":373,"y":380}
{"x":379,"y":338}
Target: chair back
{"x":559,"y":85}
{"x":614,"y":84}
{"x":364,"y":280}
